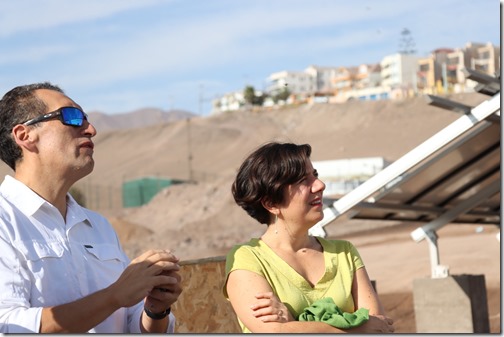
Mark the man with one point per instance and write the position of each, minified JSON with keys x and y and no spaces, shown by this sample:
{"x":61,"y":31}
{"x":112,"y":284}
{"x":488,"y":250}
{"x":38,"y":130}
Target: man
{"x":62,"y":268}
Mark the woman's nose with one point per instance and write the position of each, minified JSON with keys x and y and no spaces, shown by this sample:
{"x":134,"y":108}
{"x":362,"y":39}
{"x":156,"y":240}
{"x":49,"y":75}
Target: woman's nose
{"x":319,"y":185}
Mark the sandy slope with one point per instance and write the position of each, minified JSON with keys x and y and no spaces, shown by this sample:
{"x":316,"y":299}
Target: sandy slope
{"x":201,"y":219}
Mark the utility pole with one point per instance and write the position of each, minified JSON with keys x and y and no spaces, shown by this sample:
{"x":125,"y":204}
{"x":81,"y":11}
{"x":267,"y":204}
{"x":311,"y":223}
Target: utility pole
{"x":201,"y":99}
{"x":170,"y":99}
{"x":445,"y":77}
{"x":189,"y":153}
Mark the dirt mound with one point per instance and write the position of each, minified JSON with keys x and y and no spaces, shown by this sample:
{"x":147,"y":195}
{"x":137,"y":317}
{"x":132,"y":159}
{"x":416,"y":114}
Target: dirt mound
{"x":127,"y":230}
{"x":200,"y":219}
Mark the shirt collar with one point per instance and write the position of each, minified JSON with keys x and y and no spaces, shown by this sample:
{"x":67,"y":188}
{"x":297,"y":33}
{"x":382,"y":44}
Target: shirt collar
{"x":30,"y":202}
{"x":76,"y":213}
{"x":21,"y":195}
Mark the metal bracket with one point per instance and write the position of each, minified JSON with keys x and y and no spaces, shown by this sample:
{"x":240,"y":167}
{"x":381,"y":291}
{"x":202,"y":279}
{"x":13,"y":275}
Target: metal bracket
{"x":437,"y":270}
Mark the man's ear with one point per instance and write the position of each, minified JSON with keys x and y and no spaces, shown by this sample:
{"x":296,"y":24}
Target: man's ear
{"x":23,"y":136}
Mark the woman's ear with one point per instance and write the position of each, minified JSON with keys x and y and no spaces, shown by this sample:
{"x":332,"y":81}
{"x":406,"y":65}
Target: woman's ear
{"x":270,"y":206}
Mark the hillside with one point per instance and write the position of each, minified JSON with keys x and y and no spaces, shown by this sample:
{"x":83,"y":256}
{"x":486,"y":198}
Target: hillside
{"x":135,"y":119}
{"x":210,"y":149}
{"x":218,"y":144}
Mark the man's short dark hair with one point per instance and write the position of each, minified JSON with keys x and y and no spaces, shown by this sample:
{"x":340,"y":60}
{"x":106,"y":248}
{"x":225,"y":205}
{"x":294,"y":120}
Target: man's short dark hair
{"x":16,"y":106}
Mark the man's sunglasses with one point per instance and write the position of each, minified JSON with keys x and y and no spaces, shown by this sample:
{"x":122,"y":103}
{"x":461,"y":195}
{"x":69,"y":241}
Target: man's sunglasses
{"x":68,"y":115}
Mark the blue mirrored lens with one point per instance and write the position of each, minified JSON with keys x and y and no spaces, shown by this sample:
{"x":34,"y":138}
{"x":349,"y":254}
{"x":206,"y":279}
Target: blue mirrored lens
{"x":72,"y":116}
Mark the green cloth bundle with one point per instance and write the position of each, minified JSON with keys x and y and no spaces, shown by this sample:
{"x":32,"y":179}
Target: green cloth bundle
{"x":325,"y":310}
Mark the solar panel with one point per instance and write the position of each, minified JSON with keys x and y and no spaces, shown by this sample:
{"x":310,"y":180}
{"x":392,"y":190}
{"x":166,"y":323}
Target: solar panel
{"x":452,"y":177}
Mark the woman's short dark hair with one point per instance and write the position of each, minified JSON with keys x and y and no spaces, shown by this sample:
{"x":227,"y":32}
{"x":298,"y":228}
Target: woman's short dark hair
{"x":265,"y":174}
{"x":17,"y":106}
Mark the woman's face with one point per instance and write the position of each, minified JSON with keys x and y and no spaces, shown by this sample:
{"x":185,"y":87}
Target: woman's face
{"x":303,"y":200}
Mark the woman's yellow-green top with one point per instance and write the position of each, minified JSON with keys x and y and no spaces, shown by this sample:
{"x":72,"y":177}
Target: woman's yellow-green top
{"x":341,"y":261}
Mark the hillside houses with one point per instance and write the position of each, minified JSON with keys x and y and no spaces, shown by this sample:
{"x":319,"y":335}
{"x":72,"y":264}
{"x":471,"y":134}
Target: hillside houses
{"x":396,"y":76}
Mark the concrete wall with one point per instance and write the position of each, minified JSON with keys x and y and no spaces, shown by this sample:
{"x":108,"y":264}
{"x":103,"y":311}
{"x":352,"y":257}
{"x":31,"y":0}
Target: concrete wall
{"x":453,"y":304}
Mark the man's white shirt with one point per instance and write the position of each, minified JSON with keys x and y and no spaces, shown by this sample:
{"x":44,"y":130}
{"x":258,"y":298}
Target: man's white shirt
{"x":46,"y":261}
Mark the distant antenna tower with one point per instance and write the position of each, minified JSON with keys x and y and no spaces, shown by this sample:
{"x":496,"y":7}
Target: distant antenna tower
{"x":406,"y":43}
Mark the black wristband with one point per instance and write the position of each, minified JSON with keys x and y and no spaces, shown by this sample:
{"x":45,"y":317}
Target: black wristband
{"x":157,"y":316}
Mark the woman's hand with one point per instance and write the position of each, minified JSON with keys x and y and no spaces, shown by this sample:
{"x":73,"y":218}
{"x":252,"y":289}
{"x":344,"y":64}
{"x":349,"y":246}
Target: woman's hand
{"x":268,"y":308}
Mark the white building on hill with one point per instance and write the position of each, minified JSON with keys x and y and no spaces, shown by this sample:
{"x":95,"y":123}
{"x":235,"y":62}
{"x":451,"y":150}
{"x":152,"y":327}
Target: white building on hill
{"x":397,"y":76}
{"x":343,"y":175}
{"x":231,"y":101}
{"x":298,"y":82}
{"x":398,"y":71}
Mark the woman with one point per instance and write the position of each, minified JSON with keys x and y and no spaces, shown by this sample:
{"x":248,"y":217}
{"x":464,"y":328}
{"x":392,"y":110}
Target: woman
{"x":271,"y":280}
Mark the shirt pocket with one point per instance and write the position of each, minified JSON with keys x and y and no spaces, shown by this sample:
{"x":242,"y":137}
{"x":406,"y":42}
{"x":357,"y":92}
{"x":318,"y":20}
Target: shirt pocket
{"x":105,"y":252}
{"x":35,"y":251}
{"x":43,"y":268}
{"x":104,"y":263}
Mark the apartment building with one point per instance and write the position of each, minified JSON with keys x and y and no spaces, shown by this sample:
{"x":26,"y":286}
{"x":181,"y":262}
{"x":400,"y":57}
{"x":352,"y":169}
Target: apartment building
{"x":322,"y":78}
{"x":398,"y":70}
{"x":431,"y":71}
{"x":231,"y":101}
{"x":298,"y":82}
{"x":477,"y":56}
{"x":362,"y":82}
{"x":368,"y":76}
{"x":343,"y":79}
{"x":486,"y":59}
{"x":314,"y":80}
{"x":397,"y":76}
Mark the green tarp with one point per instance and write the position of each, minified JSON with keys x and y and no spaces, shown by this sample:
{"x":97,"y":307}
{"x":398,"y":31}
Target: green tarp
{"x":138,"y":192}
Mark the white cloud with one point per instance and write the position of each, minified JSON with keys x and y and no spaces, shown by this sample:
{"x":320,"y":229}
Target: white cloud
{"x":94,"y":44}
{"x":30,"y":54}
{"x":31,"y":15}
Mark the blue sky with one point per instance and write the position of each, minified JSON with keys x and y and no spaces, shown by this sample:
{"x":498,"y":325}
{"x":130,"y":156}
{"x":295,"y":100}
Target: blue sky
{"x":116,"y":56}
